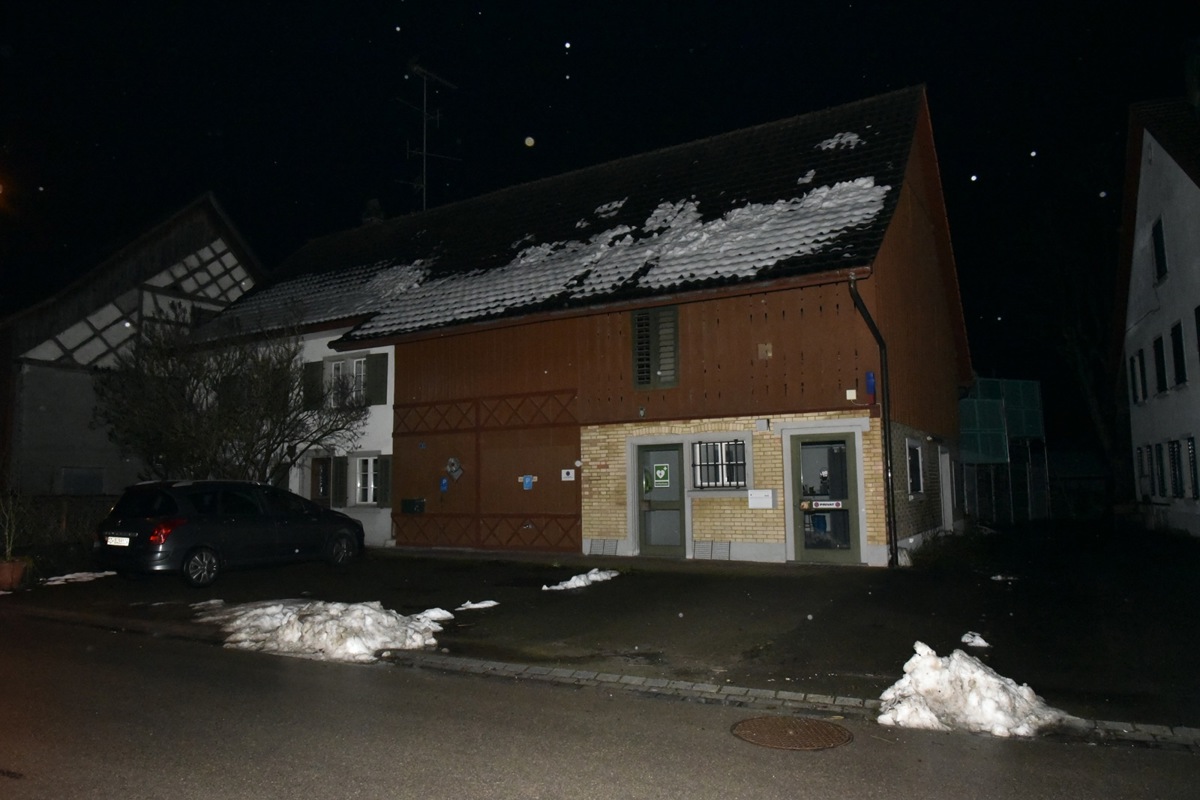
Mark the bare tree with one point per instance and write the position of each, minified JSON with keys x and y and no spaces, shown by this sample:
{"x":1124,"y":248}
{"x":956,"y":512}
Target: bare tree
{"x":229,"y":410}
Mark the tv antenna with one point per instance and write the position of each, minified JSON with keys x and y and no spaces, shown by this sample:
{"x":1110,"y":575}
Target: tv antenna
{"x":426,"y":77}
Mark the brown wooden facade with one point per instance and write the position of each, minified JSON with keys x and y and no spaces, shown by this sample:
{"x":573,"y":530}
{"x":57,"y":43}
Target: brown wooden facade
{"x":507,"y":400}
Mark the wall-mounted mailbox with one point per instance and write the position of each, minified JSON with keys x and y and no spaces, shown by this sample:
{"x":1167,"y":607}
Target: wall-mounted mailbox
{"x":415,"y":505}
{"x":761,"y":498}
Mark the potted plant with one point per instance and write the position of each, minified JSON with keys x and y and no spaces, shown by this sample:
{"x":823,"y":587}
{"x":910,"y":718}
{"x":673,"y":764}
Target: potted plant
{"x":12,"y":568}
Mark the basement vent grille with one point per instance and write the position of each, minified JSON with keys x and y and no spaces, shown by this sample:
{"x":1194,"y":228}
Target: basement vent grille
{"x":602,"y":547}
{"x":712,"y":551}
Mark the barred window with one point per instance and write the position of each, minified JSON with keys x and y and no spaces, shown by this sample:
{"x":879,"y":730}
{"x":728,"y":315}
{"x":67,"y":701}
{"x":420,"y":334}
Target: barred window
{"x":1141,"y":463}
{"x":719,"y":465}
{"x":1175,"y":451}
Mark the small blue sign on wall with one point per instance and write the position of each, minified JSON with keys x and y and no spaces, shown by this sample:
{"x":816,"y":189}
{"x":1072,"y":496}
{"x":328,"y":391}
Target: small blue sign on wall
{"x":445,"y":484}
{"x":527,"y":482}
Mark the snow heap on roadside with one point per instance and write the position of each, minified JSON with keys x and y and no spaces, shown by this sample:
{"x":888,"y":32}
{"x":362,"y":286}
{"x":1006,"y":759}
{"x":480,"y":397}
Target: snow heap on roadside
{"x":349,"y":632}
{"x":76,"y":577}
{"x":959,"y":692}
{"x":580,"y":581}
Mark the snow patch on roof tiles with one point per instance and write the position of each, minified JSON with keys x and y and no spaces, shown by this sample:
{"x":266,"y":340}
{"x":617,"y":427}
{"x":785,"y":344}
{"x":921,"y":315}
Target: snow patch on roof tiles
{"x":842,"y":140}
{"x":674,"y":247}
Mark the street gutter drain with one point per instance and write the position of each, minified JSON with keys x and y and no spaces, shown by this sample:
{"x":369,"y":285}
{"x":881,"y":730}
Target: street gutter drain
{"x":792,"y":733}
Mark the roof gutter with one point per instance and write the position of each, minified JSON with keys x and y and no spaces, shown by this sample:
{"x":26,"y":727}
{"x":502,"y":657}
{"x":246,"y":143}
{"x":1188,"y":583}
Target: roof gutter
{"x":885,"y":421}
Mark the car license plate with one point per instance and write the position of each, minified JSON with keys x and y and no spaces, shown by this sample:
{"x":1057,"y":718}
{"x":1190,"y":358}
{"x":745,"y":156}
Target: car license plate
{"x":117,"y":541}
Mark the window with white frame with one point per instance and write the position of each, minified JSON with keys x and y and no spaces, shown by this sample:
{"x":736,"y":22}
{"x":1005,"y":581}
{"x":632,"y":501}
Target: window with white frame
{"x":719,"y":465}
{"x":916,"y":464}
{"x":358,"y":380}
{"x":368,"y":474}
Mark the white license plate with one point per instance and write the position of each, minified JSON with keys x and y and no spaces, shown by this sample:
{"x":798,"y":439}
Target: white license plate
{"x":117,"y":541}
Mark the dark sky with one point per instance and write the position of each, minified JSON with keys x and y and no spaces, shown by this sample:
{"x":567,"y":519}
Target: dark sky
{"x":114,"y":115}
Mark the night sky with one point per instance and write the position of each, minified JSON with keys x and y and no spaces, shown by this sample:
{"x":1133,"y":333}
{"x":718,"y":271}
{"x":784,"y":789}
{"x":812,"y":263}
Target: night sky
{"x":296,"y":114}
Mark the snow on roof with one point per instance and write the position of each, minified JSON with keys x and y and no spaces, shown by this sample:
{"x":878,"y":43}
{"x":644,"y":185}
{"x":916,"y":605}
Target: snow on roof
{"x":674,"y":247}
{"x":808,"y":194}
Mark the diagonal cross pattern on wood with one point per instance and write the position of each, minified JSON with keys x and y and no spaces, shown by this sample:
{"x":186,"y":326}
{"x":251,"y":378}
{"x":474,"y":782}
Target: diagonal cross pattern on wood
{"x":792,"y":733}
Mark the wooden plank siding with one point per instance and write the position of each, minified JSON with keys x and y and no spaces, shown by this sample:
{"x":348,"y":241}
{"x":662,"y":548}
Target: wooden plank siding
{"x":509,"y":399}
{"x":516,"y":397}
{"x":913,"y":294}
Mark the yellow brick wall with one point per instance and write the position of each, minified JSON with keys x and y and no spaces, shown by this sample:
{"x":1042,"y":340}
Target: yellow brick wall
{"x":603,"y":477}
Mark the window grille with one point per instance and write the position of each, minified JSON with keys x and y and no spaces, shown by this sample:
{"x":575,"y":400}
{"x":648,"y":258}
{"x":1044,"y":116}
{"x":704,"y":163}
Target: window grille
{"x":719,"y":465}
{"x":1192,"y":469}
{"x":1175,"y":451}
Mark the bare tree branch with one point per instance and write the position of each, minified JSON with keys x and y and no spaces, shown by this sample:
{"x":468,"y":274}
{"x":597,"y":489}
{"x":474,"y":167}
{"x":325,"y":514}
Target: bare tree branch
{"x":233,"y":410}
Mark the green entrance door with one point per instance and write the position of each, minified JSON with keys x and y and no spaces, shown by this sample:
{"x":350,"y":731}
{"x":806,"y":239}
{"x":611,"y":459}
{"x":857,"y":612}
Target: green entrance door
{"x":660,"y":501}
{"x":825,"y":498}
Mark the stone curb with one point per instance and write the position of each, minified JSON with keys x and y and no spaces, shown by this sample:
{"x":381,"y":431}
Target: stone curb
{"x":777,"y":700}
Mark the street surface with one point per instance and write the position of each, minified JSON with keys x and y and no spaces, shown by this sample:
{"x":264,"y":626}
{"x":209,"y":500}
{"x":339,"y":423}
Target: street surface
{"x":89,"y":713}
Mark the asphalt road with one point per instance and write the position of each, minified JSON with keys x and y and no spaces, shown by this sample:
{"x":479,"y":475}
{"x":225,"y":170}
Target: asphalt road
{"x":90,"y":713}
{"x":1103,"y":625}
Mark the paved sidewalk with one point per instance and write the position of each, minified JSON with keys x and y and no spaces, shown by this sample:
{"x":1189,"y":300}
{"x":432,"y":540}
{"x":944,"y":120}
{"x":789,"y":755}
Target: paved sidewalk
{"x":1097,"y":632}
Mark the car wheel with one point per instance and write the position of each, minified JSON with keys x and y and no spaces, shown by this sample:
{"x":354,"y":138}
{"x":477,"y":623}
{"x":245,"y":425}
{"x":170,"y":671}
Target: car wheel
{"x":201,"y":568}
{"x":341,"y":550}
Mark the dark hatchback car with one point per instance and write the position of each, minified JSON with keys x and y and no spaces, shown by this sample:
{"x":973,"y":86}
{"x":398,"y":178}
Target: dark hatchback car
{"x":200,"y":528}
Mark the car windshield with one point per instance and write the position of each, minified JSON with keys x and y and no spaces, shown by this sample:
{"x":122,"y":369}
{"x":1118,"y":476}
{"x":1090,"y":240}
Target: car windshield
{"x":145,"y":503}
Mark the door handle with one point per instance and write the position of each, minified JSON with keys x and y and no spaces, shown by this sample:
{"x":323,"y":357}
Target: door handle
{"x":647,"y":483}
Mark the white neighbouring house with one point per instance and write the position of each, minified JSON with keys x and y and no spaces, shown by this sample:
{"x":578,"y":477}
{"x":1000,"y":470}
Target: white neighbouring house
{"x":1160,"y":264}
{"x":321,"y":308}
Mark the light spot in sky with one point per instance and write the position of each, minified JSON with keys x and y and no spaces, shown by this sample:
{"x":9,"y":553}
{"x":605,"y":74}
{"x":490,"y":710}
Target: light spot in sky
{"x":974,"y":178}
{"x":1033,"y":153}
{"x":1104,"y":194}
{"x":529,"y":141}
{"x":567,"y":45}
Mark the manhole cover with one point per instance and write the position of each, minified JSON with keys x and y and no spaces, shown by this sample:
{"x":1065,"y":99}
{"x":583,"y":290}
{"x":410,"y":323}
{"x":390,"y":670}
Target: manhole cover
{"x":792,"y":733}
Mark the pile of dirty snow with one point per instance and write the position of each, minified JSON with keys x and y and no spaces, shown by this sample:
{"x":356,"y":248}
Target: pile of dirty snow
{"x":76,"y":577}
{"x":350,"y":632}
{"x":580,"y":581}
{"x":959,"y":692}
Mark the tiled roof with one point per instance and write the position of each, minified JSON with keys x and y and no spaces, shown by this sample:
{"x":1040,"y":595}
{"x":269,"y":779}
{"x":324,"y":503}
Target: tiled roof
{"x":803,"y":195}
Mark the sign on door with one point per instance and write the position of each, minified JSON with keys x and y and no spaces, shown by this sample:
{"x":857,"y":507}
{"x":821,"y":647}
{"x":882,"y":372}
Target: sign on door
{"x":662,"y":476}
